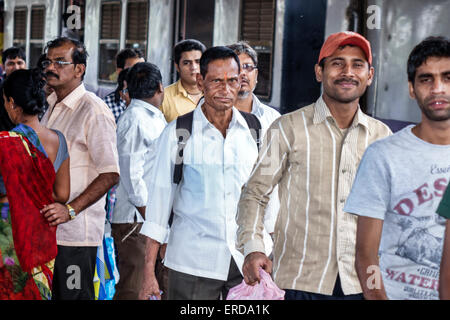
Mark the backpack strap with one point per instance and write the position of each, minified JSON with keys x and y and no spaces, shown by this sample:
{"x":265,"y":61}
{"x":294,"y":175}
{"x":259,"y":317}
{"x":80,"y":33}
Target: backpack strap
{"x":183,"y":131}
{"x":254,"y":125}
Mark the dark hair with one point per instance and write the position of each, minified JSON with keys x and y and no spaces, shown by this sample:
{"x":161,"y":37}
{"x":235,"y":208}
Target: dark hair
{"x":26,"y":88}
{"x":143,"y":80}
{"x":12,"y":53}
{"x":125,"y":54}
{"x":120,"y":82}
{"x":430,"y":47}
{"x":42,"y":58}
{"x":79,"y":55}
{"x":243,"y":47}
{"x":216,"y":53}
{"x":185,"y":46}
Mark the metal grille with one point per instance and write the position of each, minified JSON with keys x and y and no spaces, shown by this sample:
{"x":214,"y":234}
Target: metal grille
{"x":257,"y":28}
{"x":37,"y":22}
{"x":137,"y":20}
{"x":258,"y":22}
{"x":110,"y":27}
{"x":20,"y":23}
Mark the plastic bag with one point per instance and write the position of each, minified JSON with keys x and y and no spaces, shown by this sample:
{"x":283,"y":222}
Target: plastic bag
{"x":266,"y":289}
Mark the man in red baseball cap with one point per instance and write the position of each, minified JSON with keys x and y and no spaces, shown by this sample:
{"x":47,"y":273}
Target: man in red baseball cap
{"x":316,"y":152}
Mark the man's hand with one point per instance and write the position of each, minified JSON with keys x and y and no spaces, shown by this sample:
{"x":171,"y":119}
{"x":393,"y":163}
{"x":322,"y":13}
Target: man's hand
{"x":252,"y":263}
{"x":149,"y":287}
{"x":56,"y":213}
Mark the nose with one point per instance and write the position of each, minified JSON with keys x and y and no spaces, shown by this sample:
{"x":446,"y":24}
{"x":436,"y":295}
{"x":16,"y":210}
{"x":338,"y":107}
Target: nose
{"x":438,"y":87}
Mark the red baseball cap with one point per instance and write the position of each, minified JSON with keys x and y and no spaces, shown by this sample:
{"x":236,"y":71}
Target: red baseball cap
{"x":339,"y":39}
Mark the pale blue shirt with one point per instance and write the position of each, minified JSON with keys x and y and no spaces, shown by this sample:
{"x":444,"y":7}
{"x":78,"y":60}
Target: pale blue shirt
{"x":202,"y":237}
{"x":138,"y":128}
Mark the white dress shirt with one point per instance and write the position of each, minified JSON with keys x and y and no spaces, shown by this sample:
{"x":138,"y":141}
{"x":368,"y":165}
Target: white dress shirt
{"x":203,"y":233}
{"x":138,"y":128}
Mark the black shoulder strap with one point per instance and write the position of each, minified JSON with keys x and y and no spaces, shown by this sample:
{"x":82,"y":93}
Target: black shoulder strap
{"x":183,"y":131}
{"x":254,"y":125}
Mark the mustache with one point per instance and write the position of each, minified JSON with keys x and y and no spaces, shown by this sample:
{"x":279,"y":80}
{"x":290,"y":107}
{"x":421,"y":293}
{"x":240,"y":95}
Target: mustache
{"x":433,"y":98}
{"x":49,"y":73}
{"x":338,"y":81}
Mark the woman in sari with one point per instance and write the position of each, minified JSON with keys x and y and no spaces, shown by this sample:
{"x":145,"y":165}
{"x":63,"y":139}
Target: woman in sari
{"x":34,"y":172}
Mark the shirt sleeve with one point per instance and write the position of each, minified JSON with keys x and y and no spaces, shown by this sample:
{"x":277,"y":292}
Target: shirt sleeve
{"x":444,"y":206}
{"x":161,"y":187}
{"x":132,"y":148}
{"x":267,"y":172}
{"x":102,"y":142}
{"x":371,"y":189}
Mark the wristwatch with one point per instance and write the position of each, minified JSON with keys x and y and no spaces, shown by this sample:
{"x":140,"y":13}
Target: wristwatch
{"x":72,"y":213}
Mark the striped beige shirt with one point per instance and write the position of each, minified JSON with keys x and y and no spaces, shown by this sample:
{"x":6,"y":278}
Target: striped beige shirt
{"x":314,"y":164}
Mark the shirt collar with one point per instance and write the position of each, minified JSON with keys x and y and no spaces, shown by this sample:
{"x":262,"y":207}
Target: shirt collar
{"x":70,"y":101}
{"x":181,"y":90}
{"x":257,"y":110}
{"x":321,"y":113}
{"x":236,"y":118}
{"x":143,"y":104}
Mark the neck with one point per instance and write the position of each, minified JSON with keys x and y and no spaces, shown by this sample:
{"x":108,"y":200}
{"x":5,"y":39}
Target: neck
{"x":434,"y":132}
{"x":149,"y":101}
{"x":64,"y":91}
{"x":32,"y":122}
{"x":219,"y":118}
{"x":191,"y":89}
{"x":343,"y":113}
{"x":245,"y":104}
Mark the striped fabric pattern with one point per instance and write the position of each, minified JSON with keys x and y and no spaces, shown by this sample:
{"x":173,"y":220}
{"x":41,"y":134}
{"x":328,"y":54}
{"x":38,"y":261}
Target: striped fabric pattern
{"x":314,"y":163}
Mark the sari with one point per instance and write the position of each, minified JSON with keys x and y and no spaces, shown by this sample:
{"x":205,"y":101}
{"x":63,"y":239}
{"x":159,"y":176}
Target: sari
{"x":27,"y":242}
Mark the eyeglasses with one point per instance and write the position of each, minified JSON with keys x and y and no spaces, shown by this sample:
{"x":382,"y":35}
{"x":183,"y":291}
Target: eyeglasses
{"x":58,"y":64}
{"x":219,"y":83}
{"x":249,"y":67}
{"x":124,"y":91}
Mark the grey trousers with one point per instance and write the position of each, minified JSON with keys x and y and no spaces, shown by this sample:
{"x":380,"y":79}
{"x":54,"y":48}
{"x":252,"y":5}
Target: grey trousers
{"x":184,"y":286}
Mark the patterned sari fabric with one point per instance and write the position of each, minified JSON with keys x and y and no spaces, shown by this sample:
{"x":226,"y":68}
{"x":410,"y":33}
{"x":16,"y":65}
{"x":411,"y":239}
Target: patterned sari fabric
{"x":27,"y":242}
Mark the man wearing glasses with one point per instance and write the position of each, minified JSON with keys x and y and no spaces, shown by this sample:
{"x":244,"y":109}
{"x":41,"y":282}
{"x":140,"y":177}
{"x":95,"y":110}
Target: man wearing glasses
{"x":90,"y":131}
{"x":247,"y":101}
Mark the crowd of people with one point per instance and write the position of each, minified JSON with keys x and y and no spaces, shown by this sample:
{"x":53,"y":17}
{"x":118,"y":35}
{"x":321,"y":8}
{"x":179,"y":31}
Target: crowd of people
{"x":208,"y":185}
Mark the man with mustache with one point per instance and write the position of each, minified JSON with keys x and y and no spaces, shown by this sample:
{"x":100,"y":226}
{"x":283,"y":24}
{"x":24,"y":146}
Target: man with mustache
{"x":247,"y":101}
{"x":399,"y":185}
{"x":90,"y":131}
{"x":218,"y":158}
{"x":311,"y":155}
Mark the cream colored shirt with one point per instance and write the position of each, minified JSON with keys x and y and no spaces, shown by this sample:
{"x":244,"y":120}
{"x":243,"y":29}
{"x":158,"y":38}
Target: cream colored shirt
{"x":313,"y":163}
{"x":176,"y":102}
{"x":90,"y":130}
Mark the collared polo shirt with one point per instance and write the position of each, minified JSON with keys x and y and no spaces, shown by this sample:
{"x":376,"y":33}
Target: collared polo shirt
{"x":90,"y":131}
{"x":176,"y":102}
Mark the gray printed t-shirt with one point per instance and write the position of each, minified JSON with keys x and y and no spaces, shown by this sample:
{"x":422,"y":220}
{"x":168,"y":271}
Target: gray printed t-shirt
{"x":401,"y":180}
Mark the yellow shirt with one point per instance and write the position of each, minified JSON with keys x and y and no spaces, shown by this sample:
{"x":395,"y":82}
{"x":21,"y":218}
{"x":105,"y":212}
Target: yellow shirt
{"x":176,"y":102}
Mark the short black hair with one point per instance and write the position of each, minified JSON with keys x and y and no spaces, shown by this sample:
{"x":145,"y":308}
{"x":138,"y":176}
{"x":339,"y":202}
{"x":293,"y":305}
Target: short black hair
{"x":430,"y":47}
{"x":121,"y":78}
{"x":125,"y":54}
{"x":12,"y":53}
{"x":216,"y":53}
{"x":143,"y":80}
{"x":41,"y":59}
{"x":243,"y":47}
{"x":26,"y":88}
{"x":79,"y":55}
{"x":185,"y":46}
